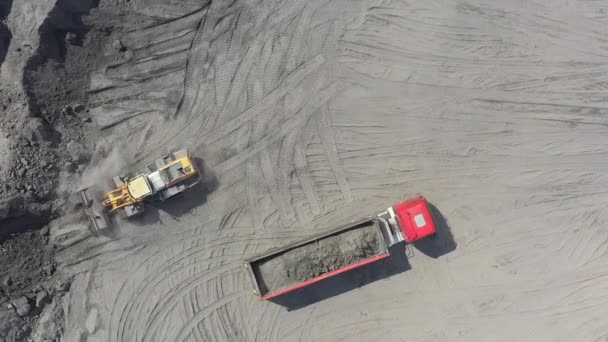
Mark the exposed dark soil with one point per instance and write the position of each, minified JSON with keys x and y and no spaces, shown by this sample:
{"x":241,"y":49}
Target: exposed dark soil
{"x":46,"y":138}
{"x":49,"y":118}
{"x":318,"y":257}
{"x":52,"y":135}
{"x":26,"y":263}
{"x":5,"y":33}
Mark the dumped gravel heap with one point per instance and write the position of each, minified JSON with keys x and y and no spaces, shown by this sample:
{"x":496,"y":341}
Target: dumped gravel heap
{"x":48,"y":50}
{"x":320,"y":257}
{"x":331,"y":254}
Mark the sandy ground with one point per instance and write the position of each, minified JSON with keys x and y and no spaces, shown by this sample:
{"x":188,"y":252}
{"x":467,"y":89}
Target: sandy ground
{"x":310,"y":113}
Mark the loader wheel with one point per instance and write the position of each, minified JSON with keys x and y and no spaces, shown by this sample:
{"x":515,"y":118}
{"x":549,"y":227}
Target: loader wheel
{"x":122,"y":214}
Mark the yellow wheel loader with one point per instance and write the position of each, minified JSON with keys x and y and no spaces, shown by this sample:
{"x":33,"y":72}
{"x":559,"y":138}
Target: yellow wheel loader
{"x":160,"y":180}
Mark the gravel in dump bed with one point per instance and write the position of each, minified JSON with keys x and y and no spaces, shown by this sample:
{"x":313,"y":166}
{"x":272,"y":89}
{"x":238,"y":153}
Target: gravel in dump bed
{"x":318,"y":257}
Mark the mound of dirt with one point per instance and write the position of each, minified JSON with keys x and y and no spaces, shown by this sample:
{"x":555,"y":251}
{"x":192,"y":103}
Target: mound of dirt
{"x":12,"y":327}
{"x":319,"y":257}
{"x":46,"y":127}
{"x":27,"y":264}
{"x":48,"y":49}
{"x":26,"y":260}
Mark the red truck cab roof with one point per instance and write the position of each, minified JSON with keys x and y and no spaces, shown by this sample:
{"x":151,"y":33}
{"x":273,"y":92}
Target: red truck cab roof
{"x":414,"y":218}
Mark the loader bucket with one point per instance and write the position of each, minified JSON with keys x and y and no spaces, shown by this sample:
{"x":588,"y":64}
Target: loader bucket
{"x":94,"y":211}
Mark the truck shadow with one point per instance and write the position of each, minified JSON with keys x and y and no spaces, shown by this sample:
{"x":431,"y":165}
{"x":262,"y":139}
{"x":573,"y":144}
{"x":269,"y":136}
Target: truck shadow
{"x":334,"y":286}
{"x":443,"y":242}
{"x":184,"y":202}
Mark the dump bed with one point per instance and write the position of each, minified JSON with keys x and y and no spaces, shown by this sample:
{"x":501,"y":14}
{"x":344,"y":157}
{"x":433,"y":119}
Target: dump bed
{"x":313,"y":259}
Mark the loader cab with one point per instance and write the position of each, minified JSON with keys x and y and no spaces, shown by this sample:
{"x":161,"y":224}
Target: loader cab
{"x":414,"y":219}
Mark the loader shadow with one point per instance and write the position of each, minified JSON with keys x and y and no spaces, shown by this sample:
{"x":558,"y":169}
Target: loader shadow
{"x":443,"y":242}
{"x":184,"y":202}
{"x":396,"y":263}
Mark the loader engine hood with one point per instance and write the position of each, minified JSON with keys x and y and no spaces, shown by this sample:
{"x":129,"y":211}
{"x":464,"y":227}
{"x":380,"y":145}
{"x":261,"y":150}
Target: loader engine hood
{"x":414,"y":218}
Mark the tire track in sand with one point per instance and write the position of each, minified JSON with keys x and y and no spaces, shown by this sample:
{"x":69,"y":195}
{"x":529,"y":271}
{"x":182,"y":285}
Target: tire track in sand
{"x":171,"y":266}
{"x":259,"y":124}
{"x":285,"y":159}
{"x":309,"y":108}
{"x":294,"y":124}
{"x":292,"y":157}
{"x":287,"y":148}
{"x":302,"y":171}
{"x":287,"y":85}
{"x":294,"y":52}
{"x":285,"y":168}
{"x":255,"y":94}
{"x":267,"y":322}
{"x":191,"y":302}
{"x":301,"y":166}
{"x":239,"y":82}
{"x":272,"y":71}
{"x":163,"y":308}
{"x":252,"y":184}
{"x":222,"y":312}
{"x":196,"y":57}
{"x":190,"y":106}
{"x":128,"y":322}
{"x":203,"y":314}
{"x":331,"y":151}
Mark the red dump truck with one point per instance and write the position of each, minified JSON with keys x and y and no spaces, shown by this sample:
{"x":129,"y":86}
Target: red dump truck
{"x":308,"y":261}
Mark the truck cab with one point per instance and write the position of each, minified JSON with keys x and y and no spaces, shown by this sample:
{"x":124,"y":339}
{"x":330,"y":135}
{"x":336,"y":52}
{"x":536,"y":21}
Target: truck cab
{"x":414,"y":218}
{"x":408,"y":221}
